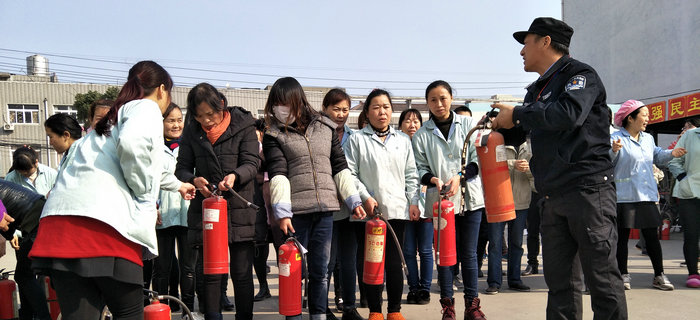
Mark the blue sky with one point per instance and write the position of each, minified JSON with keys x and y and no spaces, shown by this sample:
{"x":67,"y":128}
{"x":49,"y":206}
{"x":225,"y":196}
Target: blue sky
{"x":397,"y":45}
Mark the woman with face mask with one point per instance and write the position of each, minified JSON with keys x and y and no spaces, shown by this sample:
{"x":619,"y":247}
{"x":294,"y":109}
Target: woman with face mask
{"x":307,"y":171}
{"x":220,"y":147}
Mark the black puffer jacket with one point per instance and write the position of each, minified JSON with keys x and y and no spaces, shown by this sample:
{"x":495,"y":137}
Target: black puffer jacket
{"x":19,"y":202}
{"x":236,"y":151}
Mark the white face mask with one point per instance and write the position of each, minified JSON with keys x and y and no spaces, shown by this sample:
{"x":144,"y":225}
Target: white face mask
{"x":282,"y":114}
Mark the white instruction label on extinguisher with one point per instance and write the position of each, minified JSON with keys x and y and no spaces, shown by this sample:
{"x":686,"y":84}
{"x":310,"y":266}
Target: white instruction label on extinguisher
{"x":374,"y":248}
{"x":442,"y":224}
{"x":285,"y":269}
{"x":211,"y":215}
{"x":501,"y":153}
{"x":208,"y":226}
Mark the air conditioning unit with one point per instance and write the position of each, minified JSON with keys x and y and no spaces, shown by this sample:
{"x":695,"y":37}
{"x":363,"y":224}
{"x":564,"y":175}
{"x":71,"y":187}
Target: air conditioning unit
{"x":8,"y":127}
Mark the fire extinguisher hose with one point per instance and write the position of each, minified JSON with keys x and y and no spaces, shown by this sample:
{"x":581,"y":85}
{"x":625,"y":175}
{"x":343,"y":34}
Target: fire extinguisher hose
{"x":155,"y":296}
{"x":304,"y":268}
{"x":482,"y":124}
{"x":215,"y":190}
{"x":396,"y":239}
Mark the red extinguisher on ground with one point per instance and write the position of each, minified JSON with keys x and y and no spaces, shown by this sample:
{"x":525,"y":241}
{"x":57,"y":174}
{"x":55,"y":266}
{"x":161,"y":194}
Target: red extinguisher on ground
{"x":375,"y":248}
{"x":51,"y":298}
{"x":444,"y":236}
{"x":495,"y":177}
{"x":292,"y":258}
{"x":9,"y":310}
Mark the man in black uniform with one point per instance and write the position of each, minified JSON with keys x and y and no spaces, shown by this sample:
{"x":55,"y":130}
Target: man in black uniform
{"x":567,"y":117}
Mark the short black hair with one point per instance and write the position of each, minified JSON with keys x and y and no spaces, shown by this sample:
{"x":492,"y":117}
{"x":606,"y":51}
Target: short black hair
{"x":62,"y":122}
{"x":463,"y":109}
{"x":556,"y":46}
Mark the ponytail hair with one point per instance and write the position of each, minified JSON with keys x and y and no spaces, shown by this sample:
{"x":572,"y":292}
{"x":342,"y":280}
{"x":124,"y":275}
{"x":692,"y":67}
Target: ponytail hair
{"x":144,"y":77}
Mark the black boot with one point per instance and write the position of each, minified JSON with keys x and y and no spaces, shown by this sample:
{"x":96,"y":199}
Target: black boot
{"x":351,"y":314}
{"x":263,"y":294}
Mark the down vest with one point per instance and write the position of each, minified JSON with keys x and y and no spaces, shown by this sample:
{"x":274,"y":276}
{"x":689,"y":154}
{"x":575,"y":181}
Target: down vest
{"x":309,"y":161}
{"x":236,"y":151}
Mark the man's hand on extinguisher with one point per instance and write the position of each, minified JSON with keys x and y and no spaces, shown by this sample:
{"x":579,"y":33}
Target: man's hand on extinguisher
{"x":369,"y":205}
{"x":201,"y":183}
{"x":414,"y":212}
{"x":286,"y":226}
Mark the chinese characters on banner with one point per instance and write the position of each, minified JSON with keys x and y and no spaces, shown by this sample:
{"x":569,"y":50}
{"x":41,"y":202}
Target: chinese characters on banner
{"x":679,"y":107}
{"x":657,"y":112}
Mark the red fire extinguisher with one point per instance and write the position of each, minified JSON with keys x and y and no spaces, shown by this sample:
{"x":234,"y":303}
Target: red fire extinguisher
{"x":51,"y":298}
{"x":156,"y":311}
{"x":215,"y":233}
{"x":291,"y":262}
{"x":161,"y":311}
{"x":375,"y":241}
{"x":375,"y":249}
{"x":495,"y":177}
{"x":444,"y":237}
{"x":9,"y":310}
{"x":665,"y":233}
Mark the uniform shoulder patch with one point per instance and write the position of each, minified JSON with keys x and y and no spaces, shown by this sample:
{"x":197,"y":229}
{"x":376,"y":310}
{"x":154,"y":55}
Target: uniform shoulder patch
{"x":575,"y":83}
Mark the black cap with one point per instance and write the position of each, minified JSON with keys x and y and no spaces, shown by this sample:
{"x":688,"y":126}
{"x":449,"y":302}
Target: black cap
{"x":559,"y":31}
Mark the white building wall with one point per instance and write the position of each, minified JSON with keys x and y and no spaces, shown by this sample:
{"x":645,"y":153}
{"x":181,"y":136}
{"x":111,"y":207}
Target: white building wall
{"x":640,"y":48}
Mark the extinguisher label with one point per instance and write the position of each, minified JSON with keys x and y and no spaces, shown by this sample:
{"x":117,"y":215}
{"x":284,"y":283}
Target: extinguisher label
{"x":377,"y":230}
{"x":211,"y":215}
{"x":208,"y":226}
{"x":298,"y":256}
{"x":442,"y":224}
{"x":285,"y":269}
{"x":374,"y":248}
{"x":501,"y":153}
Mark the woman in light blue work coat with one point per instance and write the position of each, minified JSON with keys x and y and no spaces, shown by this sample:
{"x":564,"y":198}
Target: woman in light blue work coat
{"x":382,"y":161}
{"x":634,"y":153}
{"x":438,"y":150}
{"x":171,"y":226}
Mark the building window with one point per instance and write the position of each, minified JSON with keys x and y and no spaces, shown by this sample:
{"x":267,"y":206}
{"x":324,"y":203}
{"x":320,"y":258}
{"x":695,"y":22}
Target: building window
{"x":69,"y":110}
{"x":23,"y":113}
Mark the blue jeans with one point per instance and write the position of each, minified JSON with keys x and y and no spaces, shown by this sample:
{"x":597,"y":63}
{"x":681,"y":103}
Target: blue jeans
{"x":419,"y":237}
{"x":315,"y":231}
{"x":515,"y":249}
{"x":468,"y":228}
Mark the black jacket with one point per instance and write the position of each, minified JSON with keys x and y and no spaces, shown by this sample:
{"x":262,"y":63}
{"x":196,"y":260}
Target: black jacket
{"x":569,"y":124}
{"x":21,"y":203}
{"x":236,"y":151}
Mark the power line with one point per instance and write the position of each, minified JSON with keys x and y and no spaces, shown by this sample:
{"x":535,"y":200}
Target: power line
{"x":275,"y":75}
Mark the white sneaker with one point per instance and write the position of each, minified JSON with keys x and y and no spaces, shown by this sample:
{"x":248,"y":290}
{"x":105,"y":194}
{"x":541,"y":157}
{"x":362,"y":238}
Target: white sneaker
{"x":195,"y":316}
{"x":626,"y":279}
{"x":661,"y":282}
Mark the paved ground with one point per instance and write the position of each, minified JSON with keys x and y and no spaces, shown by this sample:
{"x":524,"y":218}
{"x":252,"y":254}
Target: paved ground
{"x":644,"y":302}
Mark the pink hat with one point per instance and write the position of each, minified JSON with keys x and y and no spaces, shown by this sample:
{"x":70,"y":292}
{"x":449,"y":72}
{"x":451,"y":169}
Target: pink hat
{"x":628,"y":107}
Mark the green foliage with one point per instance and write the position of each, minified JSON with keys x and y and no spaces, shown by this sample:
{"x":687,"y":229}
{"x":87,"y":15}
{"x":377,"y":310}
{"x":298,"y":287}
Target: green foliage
{"x":84,"y":100}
